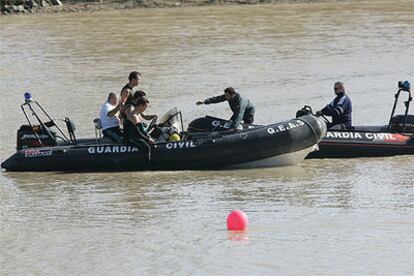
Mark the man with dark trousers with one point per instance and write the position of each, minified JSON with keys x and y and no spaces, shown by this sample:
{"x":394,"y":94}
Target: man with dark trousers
{"x":243,"y":109}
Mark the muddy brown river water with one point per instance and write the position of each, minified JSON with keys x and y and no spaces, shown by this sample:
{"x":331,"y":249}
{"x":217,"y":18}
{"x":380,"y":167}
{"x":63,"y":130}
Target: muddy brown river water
{"x":326,"y":217}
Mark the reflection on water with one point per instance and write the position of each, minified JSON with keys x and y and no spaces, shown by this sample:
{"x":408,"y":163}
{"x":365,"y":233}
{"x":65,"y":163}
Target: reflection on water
{"x":238,"y":237}
{"x":332,"y":216}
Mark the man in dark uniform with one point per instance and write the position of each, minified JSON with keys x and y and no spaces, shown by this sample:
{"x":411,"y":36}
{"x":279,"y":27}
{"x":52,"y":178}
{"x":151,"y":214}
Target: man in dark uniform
{"x":243,"y":109}
{"x":340,"y":109}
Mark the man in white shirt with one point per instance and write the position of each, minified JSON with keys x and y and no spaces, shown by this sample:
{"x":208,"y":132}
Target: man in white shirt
{"x":109,"y":119}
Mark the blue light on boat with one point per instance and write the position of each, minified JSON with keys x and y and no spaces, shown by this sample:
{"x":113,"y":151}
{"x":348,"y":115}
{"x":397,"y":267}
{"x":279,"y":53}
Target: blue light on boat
{"x":28,"y":97}
{"x":406,"y":86}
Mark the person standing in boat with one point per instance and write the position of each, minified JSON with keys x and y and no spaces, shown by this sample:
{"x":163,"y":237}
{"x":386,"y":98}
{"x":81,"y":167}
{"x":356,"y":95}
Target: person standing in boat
{"x":340,"y":109}
{"x":243,"y":109}
{"x":127,"y":91}
{"x":110,"y":120}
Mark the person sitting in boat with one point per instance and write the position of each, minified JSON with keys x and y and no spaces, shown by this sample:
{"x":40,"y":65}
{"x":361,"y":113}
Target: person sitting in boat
{"x":141,"y":94}
{"x":110,"y":120}
{"x":243,"y":109}
{"x":340,"y":109}
{"x":135,"y":130}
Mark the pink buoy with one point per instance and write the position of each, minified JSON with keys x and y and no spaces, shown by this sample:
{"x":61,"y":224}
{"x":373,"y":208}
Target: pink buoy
{"x":237,"y":220}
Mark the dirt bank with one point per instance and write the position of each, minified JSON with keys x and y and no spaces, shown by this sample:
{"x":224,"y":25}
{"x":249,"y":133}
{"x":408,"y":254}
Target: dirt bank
{"x":58,"y":6}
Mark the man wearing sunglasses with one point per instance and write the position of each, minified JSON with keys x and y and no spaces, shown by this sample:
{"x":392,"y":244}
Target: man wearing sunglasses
{"x":340,"y":108}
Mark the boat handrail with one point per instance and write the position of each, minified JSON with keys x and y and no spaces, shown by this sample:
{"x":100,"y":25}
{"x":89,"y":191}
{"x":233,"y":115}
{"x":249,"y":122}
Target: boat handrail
{"x":402,"y":87}
{"x":28,"y":103}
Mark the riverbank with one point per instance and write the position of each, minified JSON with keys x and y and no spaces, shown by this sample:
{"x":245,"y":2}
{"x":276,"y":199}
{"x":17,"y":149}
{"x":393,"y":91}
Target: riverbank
{"x":10,"y":7}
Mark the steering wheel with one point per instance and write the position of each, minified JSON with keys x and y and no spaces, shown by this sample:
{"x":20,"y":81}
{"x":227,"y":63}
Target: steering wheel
{"x":152,"y":124}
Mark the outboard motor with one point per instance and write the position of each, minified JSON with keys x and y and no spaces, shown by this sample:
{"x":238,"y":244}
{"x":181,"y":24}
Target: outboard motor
{"x":398,"y":122}
{"x":34,"y":136}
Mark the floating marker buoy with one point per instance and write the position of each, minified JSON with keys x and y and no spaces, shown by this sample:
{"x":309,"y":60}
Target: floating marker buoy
{"x":237,"y":220}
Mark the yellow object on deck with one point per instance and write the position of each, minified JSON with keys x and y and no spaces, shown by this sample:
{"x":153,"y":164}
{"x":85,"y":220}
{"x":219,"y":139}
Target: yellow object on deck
{"x":174,"y":137}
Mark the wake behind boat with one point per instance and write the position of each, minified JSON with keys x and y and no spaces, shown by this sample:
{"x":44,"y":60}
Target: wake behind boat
{"x":39,"y":148}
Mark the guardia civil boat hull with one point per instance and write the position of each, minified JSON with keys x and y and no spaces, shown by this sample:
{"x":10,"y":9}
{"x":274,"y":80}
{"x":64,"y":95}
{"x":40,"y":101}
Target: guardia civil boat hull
{"x":351,"y":144}
{"x":396,"y":138}
{"x":285,"y":143}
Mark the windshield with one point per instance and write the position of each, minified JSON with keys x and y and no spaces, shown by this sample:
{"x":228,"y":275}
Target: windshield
{"x":172,"y":119}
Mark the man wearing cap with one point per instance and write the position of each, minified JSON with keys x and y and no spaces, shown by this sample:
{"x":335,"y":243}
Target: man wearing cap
{"x":340,"y":108}
{"x":243,"y":109}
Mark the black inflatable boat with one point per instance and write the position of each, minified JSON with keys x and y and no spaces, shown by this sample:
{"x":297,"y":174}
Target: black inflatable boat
{"x":396,"y":138}
{"x":44,"y":146}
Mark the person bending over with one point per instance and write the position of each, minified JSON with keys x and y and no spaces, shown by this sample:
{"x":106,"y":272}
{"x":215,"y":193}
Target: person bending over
{"x":243,"y":109}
